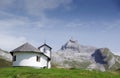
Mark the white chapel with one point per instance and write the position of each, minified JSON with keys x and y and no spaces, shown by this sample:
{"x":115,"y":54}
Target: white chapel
{"x":28,"y":55}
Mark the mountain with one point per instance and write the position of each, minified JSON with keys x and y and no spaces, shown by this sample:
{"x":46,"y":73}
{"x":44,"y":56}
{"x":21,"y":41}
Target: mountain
{"x":5,"y":58}
{"x":74,"y":55}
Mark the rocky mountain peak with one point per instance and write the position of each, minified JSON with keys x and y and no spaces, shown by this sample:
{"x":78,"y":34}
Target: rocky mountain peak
{"x":73,"y":40}
{"x":72,"y":44}
{"x":74,"y":55}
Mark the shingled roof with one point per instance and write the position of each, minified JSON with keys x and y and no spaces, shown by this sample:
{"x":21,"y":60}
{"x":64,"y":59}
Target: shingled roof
{"x":25,"y":47}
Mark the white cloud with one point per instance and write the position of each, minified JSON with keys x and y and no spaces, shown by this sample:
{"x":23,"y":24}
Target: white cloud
{"x":34,"y":7}
{"x":12,"y":22}
{"x":6,"y":3}
{"x":117,"y":53}
{"x":38,"y":7}
{"x":75,"y":24}
{"x":8,"y":25}
{"x":99,"y":26}
{"x":8,"y":42}
{"x":110,"y":26}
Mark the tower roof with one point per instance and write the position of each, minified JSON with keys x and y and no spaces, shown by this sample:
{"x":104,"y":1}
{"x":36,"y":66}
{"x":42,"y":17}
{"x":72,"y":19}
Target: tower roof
{"x":44,"y":45}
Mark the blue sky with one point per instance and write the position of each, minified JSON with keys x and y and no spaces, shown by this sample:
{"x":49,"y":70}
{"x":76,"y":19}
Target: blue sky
{"x":91,"y":22}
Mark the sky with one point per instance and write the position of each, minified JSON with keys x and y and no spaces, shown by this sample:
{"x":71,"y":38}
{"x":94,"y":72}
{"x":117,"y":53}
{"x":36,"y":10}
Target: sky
{"x":91,"y":22}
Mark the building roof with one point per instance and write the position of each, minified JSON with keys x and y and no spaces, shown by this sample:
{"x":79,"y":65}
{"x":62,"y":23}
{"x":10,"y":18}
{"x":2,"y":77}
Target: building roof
{"x":26,"y":47}
{"x":44,"y":45}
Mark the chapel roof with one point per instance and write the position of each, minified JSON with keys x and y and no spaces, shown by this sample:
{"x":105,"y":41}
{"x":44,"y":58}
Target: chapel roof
{"x":26,"y":47}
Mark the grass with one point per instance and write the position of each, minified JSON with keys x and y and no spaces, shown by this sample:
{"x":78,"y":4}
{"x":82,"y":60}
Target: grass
{"x":25,"y":72}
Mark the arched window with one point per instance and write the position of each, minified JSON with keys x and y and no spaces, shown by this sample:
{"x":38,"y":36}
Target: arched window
{"x":44,"y":50}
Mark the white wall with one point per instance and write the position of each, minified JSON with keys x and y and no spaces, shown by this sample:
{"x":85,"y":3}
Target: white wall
{"x":29,"y":59}
{"x":49,"y":64}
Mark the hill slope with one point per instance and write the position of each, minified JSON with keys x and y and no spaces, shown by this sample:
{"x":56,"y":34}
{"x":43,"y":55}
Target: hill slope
{"x":4,"y":63}
{"x":22,"y":72}
{"x":74,"y":55}
{"x":5,"y":58}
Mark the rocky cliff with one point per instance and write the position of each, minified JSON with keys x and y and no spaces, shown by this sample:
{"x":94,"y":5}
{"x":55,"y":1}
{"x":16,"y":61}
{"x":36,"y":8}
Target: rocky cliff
{"x":74,"y":55}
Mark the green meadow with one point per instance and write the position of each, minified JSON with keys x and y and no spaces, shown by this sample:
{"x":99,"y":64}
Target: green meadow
{"x":25,"y":72}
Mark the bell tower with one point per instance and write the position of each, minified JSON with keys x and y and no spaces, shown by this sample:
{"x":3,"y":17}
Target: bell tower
{"x":47,"y":51}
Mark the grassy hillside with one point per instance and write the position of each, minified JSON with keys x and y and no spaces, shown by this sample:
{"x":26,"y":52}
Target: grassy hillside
{"x":23,"y":72}
{"x":4,"y":63}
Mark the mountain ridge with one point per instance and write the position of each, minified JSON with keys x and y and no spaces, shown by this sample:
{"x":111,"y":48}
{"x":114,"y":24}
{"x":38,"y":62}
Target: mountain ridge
{"x":74,"y":55}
